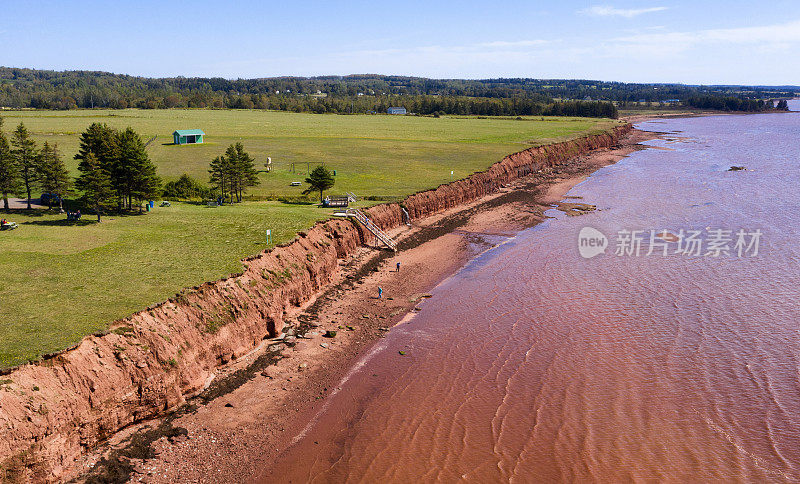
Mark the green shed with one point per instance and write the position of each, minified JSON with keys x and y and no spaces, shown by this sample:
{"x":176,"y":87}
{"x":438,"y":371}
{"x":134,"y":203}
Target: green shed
{"x":188,"y":136}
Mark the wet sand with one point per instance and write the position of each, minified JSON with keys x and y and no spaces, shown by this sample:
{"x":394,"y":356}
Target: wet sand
{"x":237,"y":435}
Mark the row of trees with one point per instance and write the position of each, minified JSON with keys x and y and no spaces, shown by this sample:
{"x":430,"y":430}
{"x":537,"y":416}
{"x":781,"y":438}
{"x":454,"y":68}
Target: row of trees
{"x":426,"y":105}
{"x":729,"y":103}
{"x":89,"y":89}
{"x":24,"y":167}
{"x":114,"y":168}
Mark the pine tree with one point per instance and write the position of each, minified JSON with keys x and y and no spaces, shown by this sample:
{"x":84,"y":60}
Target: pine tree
{"x":147,"y":185}
{"x":319,"y":179}
{"x":95,"y":183}
{"x":53,"y":174}
{"x":218,"y":171}
{"x":134,"y":175}
{"x":232,"y":172}
{"x":26,"y":158}
{"x":101,"y":141}
{"x":243,"y":169}
{"x":9,"y":175}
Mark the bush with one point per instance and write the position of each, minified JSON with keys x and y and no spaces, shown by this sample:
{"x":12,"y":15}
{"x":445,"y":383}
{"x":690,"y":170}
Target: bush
{"x":186,"y":188}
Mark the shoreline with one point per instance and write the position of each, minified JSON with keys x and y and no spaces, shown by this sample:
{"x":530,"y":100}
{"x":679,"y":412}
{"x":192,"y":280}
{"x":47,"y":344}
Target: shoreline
{"x":236,"y":434}
{"x":100,"y":408}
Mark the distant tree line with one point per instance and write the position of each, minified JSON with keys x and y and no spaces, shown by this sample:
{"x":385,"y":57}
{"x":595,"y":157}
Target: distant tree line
{"x":730,"y":103}
{"x":463,"y":106}
{"x":41,"y":89}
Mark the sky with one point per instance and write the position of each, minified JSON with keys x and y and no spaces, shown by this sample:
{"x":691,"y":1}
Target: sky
{"x":694,"y":42}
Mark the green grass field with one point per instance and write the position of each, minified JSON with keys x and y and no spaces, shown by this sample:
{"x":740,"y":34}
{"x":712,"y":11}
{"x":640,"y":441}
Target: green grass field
{"x":61,"y":282}
{"x":375,"y":155}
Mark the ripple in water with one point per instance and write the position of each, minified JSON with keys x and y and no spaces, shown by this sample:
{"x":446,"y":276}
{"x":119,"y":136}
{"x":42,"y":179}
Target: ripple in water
{"x":533,"y":364}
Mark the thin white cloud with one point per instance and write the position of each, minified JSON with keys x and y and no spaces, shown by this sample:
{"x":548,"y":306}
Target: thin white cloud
{"x":516,"y":43}
{"x":435,"y":60}
{"x":489,"y":48}
{"x":608,"y":11}
{"x":785,"y":33}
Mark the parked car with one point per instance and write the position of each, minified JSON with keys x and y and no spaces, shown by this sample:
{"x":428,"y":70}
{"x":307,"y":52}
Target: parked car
{"x":50,"y":199}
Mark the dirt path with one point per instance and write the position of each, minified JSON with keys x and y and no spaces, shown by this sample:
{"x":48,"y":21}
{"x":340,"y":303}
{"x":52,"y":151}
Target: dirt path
{"x":22,"y":203}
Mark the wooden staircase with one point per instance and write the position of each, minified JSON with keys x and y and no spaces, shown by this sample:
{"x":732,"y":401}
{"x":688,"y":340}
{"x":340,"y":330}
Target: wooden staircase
{"x":366,"y":222}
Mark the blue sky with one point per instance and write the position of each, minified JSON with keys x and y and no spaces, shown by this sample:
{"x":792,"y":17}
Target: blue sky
{"x":730,"y":42}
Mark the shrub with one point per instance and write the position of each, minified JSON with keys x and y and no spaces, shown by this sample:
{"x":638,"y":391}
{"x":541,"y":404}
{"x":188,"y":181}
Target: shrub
{"x":186,"y":188}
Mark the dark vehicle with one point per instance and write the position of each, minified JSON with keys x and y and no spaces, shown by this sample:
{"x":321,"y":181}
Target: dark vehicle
{"x":50,"y":199}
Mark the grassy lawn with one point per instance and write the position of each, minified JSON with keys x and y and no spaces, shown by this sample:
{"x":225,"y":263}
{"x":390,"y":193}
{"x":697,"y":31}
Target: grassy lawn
{"x":61,"y":282}
{"x":375,"y":155}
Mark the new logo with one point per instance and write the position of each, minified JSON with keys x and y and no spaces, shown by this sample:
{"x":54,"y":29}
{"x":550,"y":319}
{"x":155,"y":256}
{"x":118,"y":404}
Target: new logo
{"x":591,"y":242}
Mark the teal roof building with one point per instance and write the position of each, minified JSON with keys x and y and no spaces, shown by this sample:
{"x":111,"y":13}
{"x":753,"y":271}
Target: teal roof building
{"x":188,"y":136}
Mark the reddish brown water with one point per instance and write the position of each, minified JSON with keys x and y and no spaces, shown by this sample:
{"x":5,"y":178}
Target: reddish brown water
{"x":534,"y":364}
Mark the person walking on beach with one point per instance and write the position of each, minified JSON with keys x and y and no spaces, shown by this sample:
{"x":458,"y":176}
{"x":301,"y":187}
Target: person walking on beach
{"x":380,"y":292}
{"x":398,"y":267}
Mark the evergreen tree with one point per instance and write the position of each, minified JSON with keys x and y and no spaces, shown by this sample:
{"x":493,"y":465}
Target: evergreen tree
{"x":26,"y":158}
{"x":134,"y":175}
{"x":218,"y":171}
{"x":53,"y":174}
{"x":319,"y":179}
{"x":9,"y":176}
{"x":147,"y":184}
{"x":243,"y":170}
{"x":231,"y":166}
{"x":95,"y":183}
{"x":100,"y":140}
{"x":232,"y":172}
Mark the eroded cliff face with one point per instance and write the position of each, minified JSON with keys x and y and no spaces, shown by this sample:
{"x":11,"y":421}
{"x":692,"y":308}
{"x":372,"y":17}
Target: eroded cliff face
{"x":486,"y":182}
{"x":53,"y":410}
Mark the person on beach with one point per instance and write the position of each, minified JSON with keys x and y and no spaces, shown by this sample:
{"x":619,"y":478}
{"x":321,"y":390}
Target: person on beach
{"x":398,"y":267}
{"x":380,"y":293}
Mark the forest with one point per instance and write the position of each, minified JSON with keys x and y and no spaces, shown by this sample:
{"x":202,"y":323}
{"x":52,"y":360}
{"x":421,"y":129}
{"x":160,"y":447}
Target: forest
{"x":45,"y":89}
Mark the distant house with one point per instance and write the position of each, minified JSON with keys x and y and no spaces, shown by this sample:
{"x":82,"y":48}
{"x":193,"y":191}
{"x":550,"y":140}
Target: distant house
{"x":396,"y":111}
{"x":188,"y":136}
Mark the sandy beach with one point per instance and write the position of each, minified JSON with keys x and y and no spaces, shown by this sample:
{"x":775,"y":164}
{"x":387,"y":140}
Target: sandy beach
{"x":259,"y":405}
